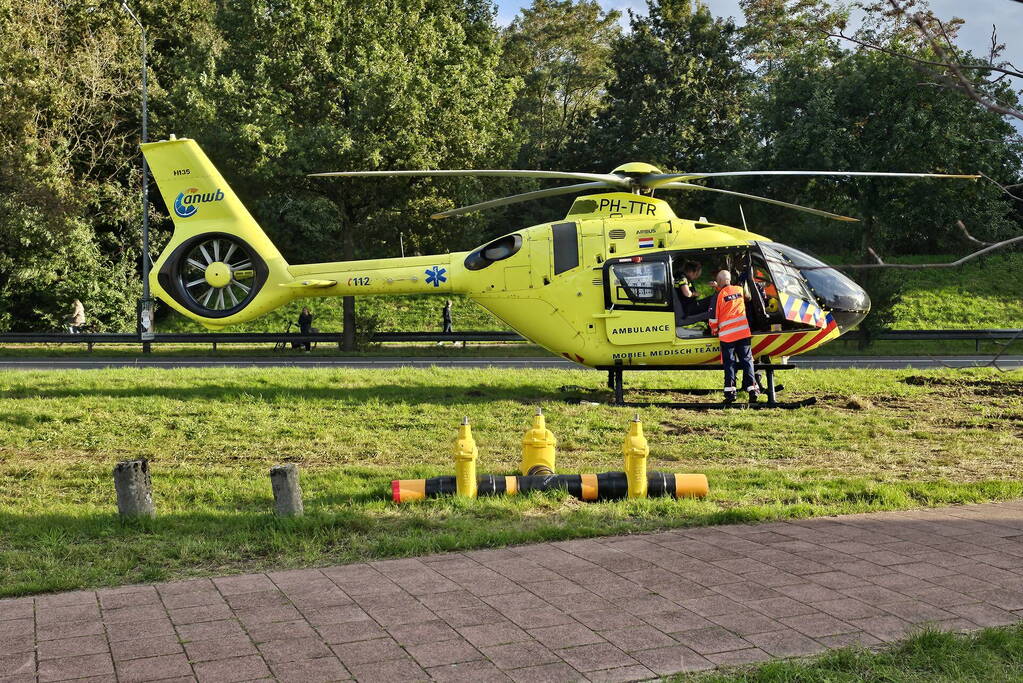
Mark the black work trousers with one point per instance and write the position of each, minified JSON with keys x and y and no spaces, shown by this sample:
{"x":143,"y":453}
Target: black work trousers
{"x":734,"y":355}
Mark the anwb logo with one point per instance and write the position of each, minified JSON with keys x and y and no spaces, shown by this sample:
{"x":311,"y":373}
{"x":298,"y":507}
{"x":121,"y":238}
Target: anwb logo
{"x":187,"y":203}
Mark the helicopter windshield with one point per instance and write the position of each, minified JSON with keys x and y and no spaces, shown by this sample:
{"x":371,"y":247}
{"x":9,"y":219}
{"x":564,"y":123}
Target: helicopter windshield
{"x":834,"y":290}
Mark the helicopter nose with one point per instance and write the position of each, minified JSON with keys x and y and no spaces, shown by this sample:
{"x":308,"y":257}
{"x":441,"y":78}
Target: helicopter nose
{"x":848,"y":302}
{"x":846,"y":320}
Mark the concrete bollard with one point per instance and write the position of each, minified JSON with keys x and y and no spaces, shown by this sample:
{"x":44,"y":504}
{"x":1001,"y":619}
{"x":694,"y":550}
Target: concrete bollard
{"x":134,"y":489}
{"x":287,"y":492}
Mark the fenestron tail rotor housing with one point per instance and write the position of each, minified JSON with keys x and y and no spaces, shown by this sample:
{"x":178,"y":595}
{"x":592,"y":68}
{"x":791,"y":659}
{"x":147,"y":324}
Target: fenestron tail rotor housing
{"x":214,"y":275}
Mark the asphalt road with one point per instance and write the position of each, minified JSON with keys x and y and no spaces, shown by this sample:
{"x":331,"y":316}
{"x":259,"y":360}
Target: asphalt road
{"x":381,"y":363}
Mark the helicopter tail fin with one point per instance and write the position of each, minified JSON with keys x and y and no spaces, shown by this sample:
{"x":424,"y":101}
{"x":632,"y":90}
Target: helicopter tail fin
{"x":219,"y":267}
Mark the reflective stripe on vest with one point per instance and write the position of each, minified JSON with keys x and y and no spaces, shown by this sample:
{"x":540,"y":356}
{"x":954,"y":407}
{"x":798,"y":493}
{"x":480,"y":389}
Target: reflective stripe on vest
{"x":731,"y":324}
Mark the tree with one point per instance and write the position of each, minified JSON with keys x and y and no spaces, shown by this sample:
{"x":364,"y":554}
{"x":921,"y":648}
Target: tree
{"x":68,"y":92}
{"x":561,"y":50}
{"x":677,"y":95}
{"x":776,"y":30}
{"x":982,"y":80}
{"x":370,"y":85}
{"x":864,"y":111}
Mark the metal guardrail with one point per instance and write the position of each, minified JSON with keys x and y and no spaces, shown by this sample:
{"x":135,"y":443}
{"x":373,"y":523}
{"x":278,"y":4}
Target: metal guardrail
{"x":946,"y":335}
{"x":976,"y":336}
{"x":216,"y":338}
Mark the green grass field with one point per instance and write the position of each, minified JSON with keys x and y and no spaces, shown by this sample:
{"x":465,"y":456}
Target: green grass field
{"x":907,"y":439}
{"x":992,"y":655}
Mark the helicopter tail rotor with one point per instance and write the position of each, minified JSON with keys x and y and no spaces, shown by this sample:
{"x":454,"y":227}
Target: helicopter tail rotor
{"x":219,"y":267}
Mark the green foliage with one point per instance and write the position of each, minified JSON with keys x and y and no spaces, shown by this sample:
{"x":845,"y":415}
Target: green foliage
{"x":372,"y":85}
{"x":561,"y":49}
{"x":67,"y":207}
{"x":865,"y":111}
{"x":677,"y":96}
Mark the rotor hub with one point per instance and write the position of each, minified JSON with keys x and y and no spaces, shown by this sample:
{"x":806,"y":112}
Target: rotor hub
{"x":218,"y":274}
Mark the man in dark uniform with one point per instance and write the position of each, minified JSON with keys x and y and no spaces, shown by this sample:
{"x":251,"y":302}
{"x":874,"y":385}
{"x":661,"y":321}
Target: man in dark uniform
{"x":446,"y":317}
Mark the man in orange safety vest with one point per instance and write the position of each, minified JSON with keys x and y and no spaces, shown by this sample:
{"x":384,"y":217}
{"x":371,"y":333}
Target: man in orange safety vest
{"x":728,"y":321}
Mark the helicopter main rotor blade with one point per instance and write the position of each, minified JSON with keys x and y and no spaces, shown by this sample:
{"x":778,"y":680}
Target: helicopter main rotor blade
{"x":609,"y":178}
{"x":524,"y":197}
{"x":797,"y":207}
{"x":661,"y":179}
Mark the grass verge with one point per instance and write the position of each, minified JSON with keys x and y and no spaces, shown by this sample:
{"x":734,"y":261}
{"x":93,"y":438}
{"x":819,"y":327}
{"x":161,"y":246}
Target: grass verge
{"x":993,"y":654}
{"x":877,"y":440}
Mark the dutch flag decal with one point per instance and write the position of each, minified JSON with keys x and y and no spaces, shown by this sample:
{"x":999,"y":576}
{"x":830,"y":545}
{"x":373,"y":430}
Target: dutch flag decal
{"x":646,"y":242}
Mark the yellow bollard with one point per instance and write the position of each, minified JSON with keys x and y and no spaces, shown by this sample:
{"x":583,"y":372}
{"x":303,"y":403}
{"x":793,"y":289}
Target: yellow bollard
{"x":465,"y":461}
{"x":636,"y":451}
{"x":538,"y":447}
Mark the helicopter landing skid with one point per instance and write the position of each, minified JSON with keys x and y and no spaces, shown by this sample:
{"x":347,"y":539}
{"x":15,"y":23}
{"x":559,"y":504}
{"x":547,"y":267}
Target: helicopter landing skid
{"x":720,"y":405}
{"x":696,"y":392}
{"x":616,"y":383}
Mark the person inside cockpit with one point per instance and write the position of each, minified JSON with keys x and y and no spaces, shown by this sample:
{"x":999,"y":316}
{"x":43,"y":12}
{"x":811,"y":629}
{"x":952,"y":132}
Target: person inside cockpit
{"x":690,"y":308}
{"x":686,"y":286}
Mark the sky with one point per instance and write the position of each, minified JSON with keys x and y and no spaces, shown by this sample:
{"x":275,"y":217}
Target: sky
{"x":975,"y":35}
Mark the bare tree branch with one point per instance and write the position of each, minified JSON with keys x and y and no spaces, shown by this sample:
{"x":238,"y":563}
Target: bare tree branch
{"x":1005,"y":188}
{"x":971,"y":238}
{"x":926,"y":62}
{"x":992,"y":246}
{"x":958,"y":79}
{"x":1001,"y":352}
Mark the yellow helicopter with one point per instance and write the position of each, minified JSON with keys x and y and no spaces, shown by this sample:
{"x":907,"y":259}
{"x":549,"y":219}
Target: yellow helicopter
{"x":596,"y":287}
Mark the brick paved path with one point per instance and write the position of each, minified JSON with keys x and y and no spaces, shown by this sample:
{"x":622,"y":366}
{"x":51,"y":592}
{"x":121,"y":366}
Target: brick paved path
{"x":618,"y":608}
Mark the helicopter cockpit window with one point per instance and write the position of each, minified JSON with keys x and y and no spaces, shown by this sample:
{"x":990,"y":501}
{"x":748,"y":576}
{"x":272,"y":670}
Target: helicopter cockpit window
{"x":643,"y":283}
{"x":787,"y":278}
{"x":498,"y":250}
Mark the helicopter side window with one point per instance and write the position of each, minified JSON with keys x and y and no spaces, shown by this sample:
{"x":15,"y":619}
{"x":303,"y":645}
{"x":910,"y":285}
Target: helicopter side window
{"x":565,"y":238}
{"x":639,"y":283}
{"x":498,"y":250}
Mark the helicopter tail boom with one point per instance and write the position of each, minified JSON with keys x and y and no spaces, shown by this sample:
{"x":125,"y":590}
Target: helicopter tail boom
{"x":410,"y":275}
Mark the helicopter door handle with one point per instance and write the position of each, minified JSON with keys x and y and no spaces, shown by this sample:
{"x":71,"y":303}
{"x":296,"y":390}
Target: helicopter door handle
{"x":607,"y":315}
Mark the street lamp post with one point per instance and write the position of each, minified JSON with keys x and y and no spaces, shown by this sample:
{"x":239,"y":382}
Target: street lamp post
{"x":145,"y":308}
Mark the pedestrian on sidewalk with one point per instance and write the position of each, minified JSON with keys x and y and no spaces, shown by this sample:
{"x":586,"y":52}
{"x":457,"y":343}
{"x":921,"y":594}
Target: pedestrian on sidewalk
{"x":445,"y":320}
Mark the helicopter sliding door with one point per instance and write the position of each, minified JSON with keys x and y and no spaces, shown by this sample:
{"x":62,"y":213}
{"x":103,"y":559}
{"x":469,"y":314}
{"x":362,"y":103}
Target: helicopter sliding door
{"x":637,"y":300}
{"x":790,"y":298}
